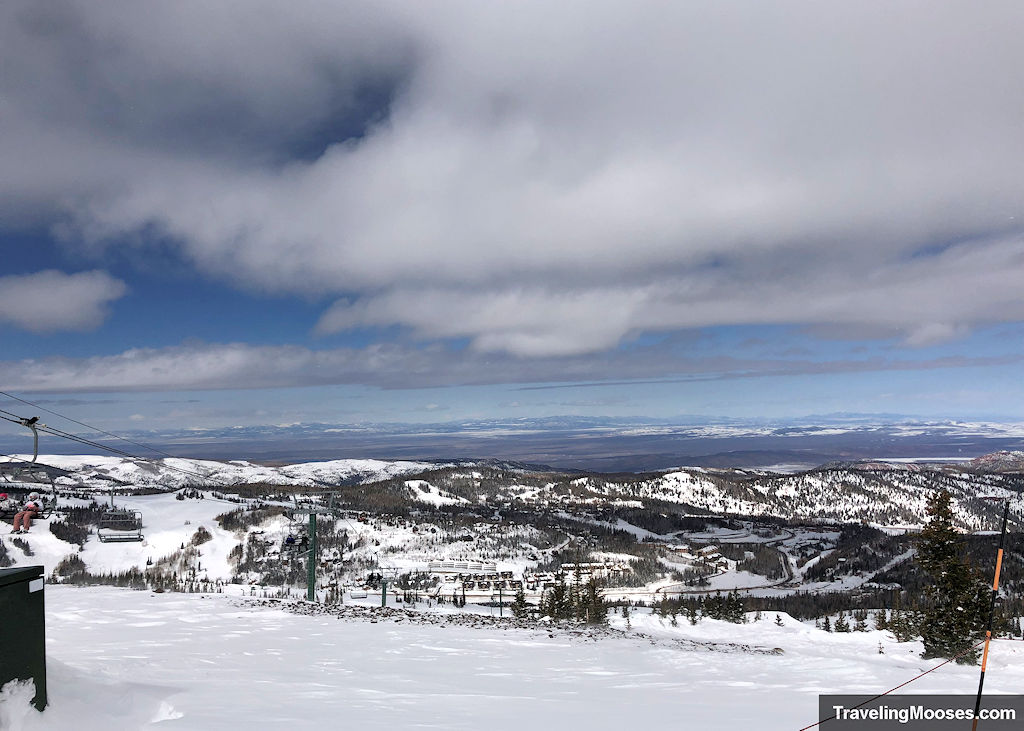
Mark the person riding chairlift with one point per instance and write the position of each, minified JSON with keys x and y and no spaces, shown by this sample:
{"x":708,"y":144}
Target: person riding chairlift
{"x":25,"y":515}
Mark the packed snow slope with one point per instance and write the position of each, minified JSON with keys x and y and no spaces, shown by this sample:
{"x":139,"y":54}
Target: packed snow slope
{"x":127,"y":660}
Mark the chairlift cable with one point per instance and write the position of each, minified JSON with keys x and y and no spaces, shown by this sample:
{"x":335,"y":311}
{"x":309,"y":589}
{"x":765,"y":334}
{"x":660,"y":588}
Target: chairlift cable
{"x":82,"y":423}
{"x":14,"y":418}
{"x":97,"y":445}
{"x":60,"y":433}
{"x":115,"y":450}
{"x":83,"y":440}
{"x":28,"y":461}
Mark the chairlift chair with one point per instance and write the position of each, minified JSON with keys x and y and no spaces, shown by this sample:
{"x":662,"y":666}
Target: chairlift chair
{"x":19,"y":477}
{"x":120,"y":526}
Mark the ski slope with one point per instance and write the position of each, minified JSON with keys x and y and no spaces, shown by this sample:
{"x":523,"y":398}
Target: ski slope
{"x":126,"y":660}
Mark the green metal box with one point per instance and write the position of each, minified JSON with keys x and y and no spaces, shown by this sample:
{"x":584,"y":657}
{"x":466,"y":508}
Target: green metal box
{"x":23,"y":629}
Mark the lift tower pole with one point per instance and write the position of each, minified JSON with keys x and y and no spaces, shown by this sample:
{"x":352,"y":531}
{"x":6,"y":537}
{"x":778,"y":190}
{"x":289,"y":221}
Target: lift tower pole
{"x":311,"y":560}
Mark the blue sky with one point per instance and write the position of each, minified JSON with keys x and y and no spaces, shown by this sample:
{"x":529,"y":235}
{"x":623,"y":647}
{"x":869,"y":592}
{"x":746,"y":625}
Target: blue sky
{"x":395,"y":212}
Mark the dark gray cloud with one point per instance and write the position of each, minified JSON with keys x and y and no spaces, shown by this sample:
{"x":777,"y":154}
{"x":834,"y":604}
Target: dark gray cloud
{"x":542,"y":179}
{"x":240,"y":366}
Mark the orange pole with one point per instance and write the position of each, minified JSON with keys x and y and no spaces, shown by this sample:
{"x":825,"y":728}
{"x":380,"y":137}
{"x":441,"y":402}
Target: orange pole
{"x":991,"y":611}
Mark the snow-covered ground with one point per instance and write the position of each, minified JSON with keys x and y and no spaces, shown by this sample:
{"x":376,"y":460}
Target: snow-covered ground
{"x":120,"y":659}
{"x":167,"y":523}
{"x":105,"y":472}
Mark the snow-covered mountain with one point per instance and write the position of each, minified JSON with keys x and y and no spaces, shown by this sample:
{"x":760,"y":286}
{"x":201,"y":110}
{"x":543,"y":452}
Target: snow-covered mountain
{"x":883,"y":494}
{"x":874,"y":492}
{"x":172,"y":473}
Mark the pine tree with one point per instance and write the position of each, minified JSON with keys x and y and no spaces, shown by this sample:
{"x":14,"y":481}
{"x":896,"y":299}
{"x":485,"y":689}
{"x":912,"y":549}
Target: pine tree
{"x":595,"y":607}
{"x":827,"y":624}
{"x":881,"y":620}
{"x":520,"y":608}
{"x":734,"y":610}
{"x":860,"y":620}
{"x":954,"y":619}
{"x":841,"y":624}
{"x":903,"y":625}
{"x":663,"y":607}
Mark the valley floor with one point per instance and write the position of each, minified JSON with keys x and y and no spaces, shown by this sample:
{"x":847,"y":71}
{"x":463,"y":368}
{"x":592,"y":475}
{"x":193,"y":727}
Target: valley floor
{"x":121,"y":659}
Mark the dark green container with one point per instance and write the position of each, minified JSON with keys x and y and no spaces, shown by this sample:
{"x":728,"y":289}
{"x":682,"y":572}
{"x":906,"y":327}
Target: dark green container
{"x":23,"y":629}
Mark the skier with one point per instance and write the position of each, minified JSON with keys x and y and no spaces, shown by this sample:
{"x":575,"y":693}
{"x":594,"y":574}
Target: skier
{"x":25,"y":515}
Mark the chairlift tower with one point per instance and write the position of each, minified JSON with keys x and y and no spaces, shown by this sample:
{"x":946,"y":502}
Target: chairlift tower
{"x":313,"y":511}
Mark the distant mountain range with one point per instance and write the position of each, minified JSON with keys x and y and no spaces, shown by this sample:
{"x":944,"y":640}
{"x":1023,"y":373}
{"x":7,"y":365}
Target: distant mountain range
{"x":585,"y":443}
{"x":891,"y":494}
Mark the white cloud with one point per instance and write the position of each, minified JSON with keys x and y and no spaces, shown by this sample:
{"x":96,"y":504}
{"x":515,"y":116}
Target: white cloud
{"x":549,"y":178}
{"x":52,"y":301}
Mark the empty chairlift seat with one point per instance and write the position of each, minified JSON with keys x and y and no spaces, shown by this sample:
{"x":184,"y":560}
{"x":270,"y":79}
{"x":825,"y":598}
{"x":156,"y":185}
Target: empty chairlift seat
{"x":120,"y":525}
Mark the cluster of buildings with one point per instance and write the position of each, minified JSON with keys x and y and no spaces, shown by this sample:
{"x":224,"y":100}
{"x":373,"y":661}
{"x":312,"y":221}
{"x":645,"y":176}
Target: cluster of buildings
{"x":476,"y":578}
{"x":705,"y":556}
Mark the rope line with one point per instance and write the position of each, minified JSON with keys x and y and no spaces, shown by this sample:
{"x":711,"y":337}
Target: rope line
{"x":916,"y":677}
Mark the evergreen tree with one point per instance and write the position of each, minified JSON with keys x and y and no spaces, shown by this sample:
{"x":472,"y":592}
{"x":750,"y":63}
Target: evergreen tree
{"x":734,"y":610}
{"x":903,"y":626}
{"x":827,"y":624}
{"x":881,"y":620}
{"x":841,"y":624}
{"x":860,"y":620}
{"x":520,"y":608}
{"x":592,"y":600}
{"x":711,"y":605}
{"x":954,"y":618}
